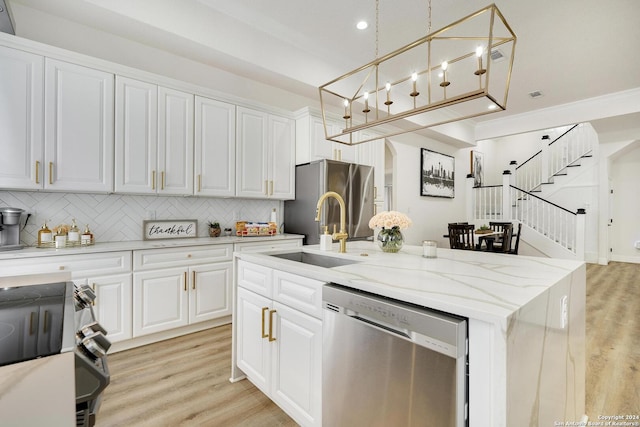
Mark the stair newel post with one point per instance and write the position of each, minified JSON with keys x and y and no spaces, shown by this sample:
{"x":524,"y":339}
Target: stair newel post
{"x":471,"y":199}
{"x":545,"y":155}
{"x":581,"y":221}
{"x":507,"y":182}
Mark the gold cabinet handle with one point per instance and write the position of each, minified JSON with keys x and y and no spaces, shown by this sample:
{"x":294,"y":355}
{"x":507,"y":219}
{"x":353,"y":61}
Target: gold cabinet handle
{"x":37,"y":172}
{"x":375,"y":192}
{"x":193,"y":280}
{"x":266,"y":187}
{"x":199,"y":183}
{"x":271,"y":188}
{"x":162,"y":180}
{"x":51,"y":173}
{"x":185,"y":281}
{"x":264,"y":309}
{"x":93,"y":286}
{"x":153,"y":179}
{"x":271,"y":337}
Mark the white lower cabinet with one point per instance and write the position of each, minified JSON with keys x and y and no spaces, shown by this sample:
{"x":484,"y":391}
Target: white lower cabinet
{"x":113,"y":305}
{"x":174,"y":297}
{"x":109,"y":274}
{"x":278,"y":347}
{"x":194,"y":289}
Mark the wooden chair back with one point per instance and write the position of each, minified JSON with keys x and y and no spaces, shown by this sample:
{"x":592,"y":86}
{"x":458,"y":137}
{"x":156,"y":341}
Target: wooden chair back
{"x":502,"y":243}
{"x":461,"y":236}
{"x":514,"y":250}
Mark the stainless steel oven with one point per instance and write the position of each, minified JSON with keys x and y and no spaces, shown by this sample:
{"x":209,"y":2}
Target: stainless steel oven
{"x":389,"y":363}
{"x":43,"y":320}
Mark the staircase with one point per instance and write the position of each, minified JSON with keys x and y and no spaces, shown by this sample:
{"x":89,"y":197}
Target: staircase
{"x":527,"y":191}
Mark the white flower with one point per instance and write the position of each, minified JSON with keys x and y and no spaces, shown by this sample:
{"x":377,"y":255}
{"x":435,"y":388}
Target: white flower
{"x":389,"y":219}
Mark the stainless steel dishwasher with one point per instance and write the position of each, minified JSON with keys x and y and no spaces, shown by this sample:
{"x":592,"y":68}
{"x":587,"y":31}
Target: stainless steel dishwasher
{"x":389,"y":363}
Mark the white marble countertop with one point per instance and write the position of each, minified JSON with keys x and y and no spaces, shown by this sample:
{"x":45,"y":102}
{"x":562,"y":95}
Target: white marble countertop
{"x":478,"y":285}
{"x":133,"y":245}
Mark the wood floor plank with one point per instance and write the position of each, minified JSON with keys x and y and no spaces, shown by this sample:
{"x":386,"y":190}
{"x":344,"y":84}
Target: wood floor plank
{"x":185,"y":381}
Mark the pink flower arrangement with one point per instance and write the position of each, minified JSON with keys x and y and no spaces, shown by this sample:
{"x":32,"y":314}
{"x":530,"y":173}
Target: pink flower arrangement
{"x":390,"y":219}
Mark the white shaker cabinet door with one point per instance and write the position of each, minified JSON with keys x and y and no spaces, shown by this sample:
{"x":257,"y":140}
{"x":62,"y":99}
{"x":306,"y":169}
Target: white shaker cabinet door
{"x":282,"y":158}
{"x":296,"y":365}
{"x":215,"y":148}
{"x":210,"y":293}
{"x":21,"y":119}
{"x":79,"y":123}
{"x":160,"y":300}
{"x":252,"y":342}
{"x":252,"y":153}
{"x":136,"y":143}
{"x":113,"y":305}
{"x":175,"y":142}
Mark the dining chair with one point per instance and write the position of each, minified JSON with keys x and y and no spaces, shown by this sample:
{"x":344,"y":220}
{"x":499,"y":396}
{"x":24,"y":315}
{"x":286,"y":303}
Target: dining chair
{"x":461,"y":236}
{"x":503,"y":242}
{"x":514,"y":250}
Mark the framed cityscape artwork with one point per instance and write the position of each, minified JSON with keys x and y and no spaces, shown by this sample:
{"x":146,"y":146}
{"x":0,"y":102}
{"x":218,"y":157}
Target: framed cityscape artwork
{"x":437,"y":174}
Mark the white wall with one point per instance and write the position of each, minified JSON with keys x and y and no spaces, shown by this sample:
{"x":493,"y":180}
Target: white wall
{"x":430,"y":215}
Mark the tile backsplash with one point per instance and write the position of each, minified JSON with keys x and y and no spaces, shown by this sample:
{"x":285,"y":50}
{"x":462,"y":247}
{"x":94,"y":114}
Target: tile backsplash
{"x":117,"y":217}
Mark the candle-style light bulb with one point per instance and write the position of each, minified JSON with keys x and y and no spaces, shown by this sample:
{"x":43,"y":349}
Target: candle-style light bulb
{"x":366,"y":103}
{"x":387,"y":86}
{"x":480,"y":71}
{"x":444,"y":67}
{"x":414,"y":78}
{"x":346,"y":116}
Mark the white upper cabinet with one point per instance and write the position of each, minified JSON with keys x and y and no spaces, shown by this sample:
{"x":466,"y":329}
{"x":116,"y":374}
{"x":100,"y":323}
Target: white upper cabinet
{"x":282,"y":157}
{"x":79,"y":127}
{"x":311,"y":142}
{"x":265,"y":155}
{"x":154,"y":139}
{"x":21,"y":119}
{"x":136,"y":136}
{"x":175,"y":141}
{"x":215,"y":148}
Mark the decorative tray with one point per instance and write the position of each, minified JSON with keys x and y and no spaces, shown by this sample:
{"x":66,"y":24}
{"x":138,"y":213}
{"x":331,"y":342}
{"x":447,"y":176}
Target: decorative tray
{"x":67,"y":244}
{"x":256,"y":229}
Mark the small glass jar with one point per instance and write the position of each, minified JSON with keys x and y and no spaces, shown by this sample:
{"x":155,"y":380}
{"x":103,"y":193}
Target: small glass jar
{"x":430,"y":249}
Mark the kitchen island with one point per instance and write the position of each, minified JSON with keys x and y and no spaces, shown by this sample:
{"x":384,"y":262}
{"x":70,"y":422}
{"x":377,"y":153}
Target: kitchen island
{"x":526,"y":322}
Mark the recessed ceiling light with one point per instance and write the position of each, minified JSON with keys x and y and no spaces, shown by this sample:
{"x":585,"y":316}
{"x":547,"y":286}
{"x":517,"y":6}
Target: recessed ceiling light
{"x":492,"y":107}
{"x":362,"y":25}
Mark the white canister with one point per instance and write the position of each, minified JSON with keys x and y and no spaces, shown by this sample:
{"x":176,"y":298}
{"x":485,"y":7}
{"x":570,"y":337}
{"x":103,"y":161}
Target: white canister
{"x":430,"y":249}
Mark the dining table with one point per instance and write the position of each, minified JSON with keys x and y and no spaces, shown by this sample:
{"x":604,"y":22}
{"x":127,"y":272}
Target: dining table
{"x":486,"y":237}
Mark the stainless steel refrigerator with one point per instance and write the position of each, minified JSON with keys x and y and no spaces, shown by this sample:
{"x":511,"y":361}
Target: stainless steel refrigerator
{"x":352,"y":181}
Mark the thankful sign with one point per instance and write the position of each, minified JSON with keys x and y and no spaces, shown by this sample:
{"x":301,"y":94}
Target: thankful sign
{"x":169,"y":229}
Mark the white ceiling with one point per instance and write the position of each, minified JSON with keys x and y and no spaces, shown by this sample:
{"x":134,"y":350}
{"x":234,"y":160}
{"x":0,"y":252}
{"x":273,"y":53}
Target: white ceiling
{"x":570,"y":49}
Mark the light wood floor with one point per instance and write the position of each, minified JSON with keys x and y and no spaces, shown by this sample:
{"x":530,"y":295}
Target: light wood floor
{"x":185,"y":381}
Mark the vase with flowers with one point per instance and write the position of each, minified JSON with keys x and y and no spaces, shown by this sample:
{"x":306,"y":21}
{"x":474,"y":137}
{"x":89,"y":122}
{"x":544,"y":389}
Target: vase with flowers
{"x":390,"y":223}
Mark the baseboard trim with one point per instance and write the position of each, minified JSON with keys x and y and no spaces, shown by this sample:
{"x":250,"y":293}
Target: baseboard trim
{"x":626,"y":258}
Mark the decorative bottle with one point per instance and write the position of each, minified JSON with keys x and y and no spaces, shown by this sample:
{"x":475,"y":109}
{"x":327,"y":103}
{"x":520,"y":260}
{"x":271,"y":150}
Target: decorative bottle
{"x":87,"y":236}
{"x":74,"y":234}
{"x":44,"y":235}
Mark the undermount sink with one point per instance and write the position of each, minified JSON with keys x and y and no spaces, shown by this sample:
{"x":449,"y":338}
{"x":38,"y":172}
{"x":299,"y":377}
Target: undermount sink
{"x":315,"y":259}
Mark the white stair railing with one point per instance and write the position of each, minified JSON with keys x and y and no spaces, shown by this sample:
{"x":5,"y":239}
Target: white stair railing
{"x":565,"y":150}
{"x":509,"y":203}
{"x":548,"y":219}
